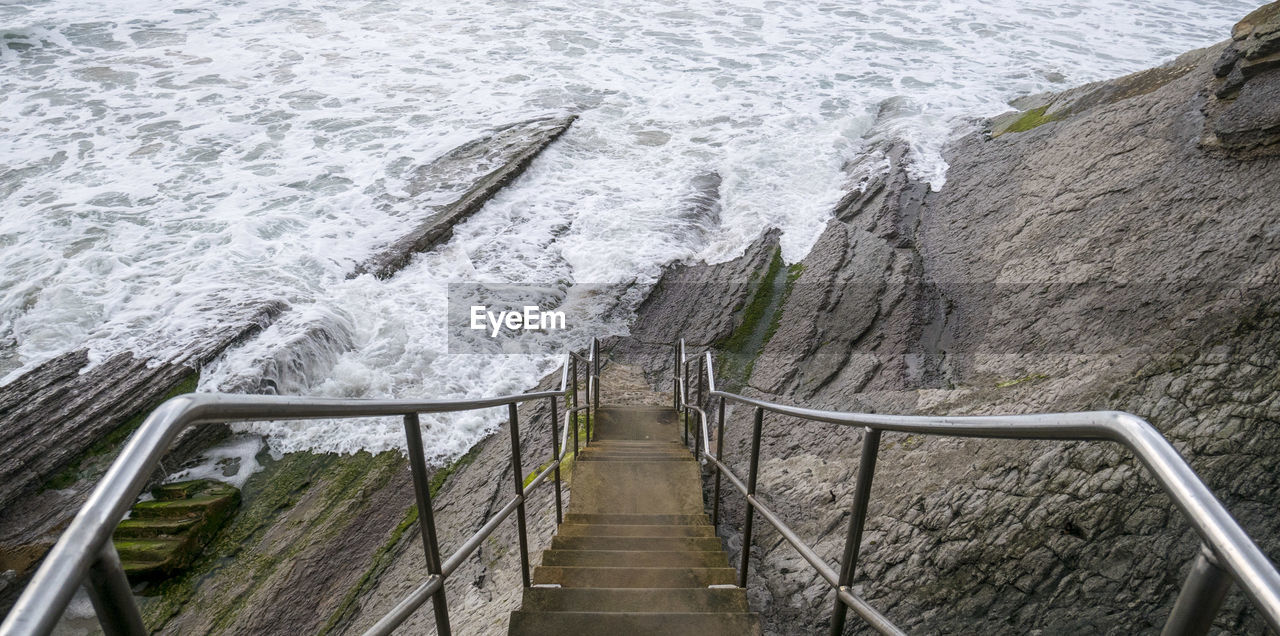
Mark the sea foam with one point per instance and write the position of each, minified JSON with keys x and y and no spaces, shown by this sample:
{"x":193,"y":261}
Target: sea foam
{"x":161,"y":161}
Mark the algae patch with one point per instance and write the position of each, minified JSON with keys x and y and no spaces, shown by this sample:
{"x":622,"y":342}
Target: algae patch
{"x":257,"y":540}
{"x":385,"y":553}
{"x":566,"y":466}
{"x":758,"y":320}
{"x":1033,"y":118}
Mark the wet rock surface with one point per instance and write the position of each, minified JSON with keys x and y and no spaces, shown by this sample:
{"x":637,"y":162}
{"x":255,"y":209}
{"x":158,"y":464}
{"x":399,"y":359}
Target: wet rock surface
{"x":465,"y":178}
{"x":54,"y":414}
{"x":1106,"y":260}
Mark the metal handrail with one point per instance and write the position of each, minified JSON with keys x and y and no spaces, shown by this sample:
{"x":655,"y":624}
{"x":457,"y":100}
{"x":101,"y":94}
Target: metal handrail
{"x":85,"y":552}
{"x":1227,"y":553}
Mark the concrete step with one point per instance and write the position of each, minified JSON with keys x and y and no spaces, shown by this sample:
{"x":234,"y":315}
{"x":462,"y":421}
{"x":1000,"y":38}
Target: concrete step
{"x":674,"y":449}
{"x":624,"y":444}
{"x":629,"y":423}
{"x":640,"y":487}
{"x":674,"y":441}
{"x":594,"y":577}
{"x":662,"y":544}
{"x":636,"y":558}
{"x":617,"y":530}
{"x":672,"y":624}
{"x":637,"y":452}
{"x":149,"y":550}
{"x":637,"y":519}
{"x":633,"y":458}
{"x":545,"y":599}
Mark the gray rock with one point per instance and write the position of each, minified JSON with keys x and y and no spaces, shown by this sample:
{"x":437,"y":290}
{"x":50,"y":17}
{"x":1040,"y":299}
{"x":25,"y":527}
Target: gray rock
{"x":1253,"y":119}
{"x":465,"y":177}
{"x":1107,"y":261}
{"x":1255,"y":49}
{"x":1227,"y":62}
{"x":55,"y":413}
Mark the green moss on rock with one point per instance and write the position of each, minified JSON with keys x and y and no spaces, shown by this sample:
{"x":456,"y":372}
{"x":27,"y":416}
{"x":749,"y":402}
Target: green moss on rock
{"x":1032,"y":377}
{"x":758,"y":321}
{"x":165,"y":535}
{"x":1033,"y":118}
{"x":238,"y":551}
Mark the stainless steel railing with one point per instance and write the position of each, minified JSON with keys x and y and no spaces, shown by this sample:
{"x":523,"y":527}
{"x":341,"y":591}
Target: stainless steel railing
{"x":1227,"y":554}
{"x":85,"y":554}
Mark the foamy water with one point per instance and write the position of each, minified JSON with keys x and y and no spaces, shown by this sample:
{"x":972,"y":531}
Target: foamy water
{"x":160,"y":161}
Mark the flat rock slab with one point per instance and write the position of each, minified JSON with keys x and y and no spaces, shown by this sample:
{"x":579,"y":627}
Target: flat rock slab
{"x":460,"y":182}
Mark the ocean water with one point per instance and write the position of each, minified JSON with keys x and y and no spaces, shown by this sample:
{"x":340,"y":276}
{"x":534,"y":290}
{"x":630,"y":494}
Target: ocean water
{"x":162,"y":161}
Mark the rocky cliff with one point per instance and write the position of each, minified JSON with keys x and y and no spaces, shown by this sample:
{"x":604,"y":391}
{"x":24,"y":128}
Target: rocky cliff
{"x":1112,"y":247}
{"x":1103,"y":248}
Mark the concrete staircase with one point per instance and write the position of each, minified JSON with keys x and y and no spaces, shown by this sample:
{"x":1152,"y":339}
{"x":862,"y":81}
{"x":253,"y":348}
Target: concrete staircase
{"x":636,"y":554}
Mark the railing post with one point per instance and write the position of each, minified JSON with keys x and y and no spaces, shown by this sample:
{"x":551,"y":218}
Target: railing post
{"x":587,"y":391}
{"x":426,"y":519}
{"x":697,"y":439}
{"x":518,"y":474}
{"x":751,"y":493}
{"x":697,"y":432}
{"x":573,"y":412}
{"x":555,"y":457}
{"x":857,"y":520}
{"x":701,"y":369}
{"x":111,"y":595}
{"x":685,"y":384}
{"x":595,"y":344}
{"x":715,"y":506}
{"x":675,"y":378}
{"x":1201,"y":597}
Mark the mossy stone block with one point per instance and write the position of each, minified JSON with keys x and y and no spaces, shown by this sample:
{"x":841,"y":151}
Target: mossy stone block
{"x":165,"y":535}
{"x":143,"y":528}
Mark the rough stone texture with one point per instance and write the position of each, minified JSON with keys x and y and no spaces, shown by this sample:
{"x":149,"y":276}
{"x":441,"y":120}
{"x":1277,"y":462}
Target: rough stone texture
{"x":52,"y":415}
{"x":1063,"y":104}
{"x":669,"y":314}
{"x":1244,"y":120}
{"x":465,"y":177}
{"x":1104,"y":260}
{"x":1254,"y":117}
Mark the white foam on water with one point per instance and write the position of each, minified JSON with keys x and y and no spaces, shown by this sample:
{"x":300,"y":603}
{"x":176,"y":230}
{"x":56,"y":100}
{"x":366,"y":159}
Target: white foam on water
{"x":232,"y":461}
{"x":162,"y":164}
